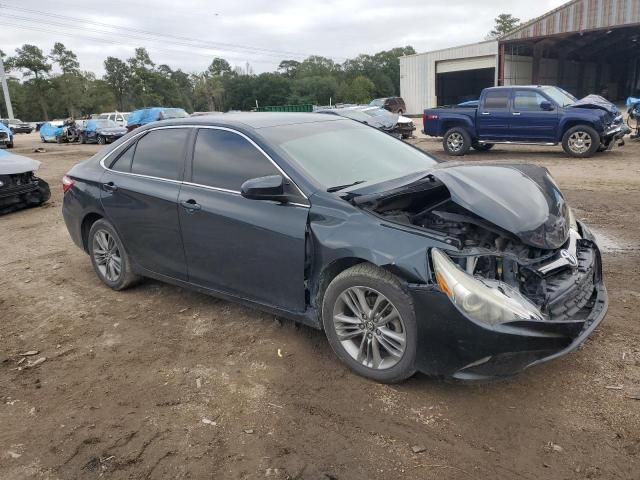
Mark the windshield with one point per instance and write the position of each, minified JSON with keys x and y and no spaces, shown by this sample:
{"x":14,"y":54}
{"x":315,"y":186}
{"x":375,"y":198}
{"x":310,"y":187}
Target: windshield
{"x":342,"y":153}
{"x":378,"y":102}
{"x":102,"y":123}
{"x":558,"y":95}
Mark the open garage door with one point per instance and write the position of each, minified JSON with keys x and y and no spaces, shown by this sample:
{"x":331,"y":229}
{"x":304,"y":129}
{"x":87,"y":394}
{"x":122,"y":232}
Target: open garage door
{"x":458,"y":86}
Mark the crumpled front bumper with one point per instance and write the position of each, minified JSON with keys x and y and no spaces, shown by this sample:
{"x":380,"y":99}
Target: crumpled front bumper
{"x":454,"y":346}
{"x":615,"y":134}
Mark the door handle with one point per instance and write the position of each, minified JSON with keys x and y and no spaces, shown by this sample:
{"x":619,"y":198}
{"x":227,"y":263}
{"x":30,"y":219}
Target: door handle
{"x":485,"y":113}
{"x":110,"y":187}
{"x":515,"y":113}
{"x":190,"y":205}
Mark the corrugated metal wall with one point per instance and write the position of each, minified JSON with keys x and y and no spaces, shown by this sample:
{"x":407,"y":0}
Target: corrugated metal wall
{"x":580,"y":15}
{"x":418,"y":73}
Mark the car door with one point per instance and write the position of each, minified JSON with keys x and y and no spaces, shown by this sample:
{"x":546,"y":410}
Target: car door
{"x":254,"y":249}
{"x":140,"y":197}
{"x":529,"y":121}
{"x":493,"y":115}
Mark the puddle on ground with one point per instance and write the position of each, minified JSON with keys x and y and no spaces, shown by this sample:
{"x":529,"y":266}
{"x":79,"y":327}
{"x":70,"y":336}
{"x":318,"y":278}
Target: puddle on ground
{"x":610,"y":243}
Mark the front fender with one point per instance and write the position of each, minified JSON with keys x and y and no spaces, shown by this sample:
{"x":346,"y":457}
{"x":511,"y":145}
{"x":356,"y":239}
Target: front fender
{"x":341,"y":231}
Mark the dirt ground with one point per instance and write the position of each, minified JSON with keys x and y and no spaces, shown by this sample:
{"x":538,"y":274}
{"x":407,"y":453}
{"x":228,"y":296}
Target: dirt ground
{"x":160,"y":382}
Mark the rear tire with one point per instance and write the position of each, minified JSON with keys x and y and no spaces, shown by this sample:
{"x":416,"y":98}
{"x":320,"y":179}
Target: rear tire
{"x":109,"y":257}
{"x":581,"y":141}
{"x":456,"y":141}
{"x":10,"y":145}
{"x":482,"y":147}
{"x":377,"y":343}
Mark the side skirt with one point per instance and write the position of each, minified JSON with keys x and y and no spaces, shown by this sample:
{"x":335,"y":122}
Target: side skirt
{"x":309,"y":317}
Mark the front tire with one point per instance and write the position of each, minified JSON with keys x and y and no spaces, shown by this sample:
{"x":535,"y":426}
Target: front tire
{"x":10,"y":144}
{"x":456,"y":141}
{"x":109,"y":257}
{"x":369,"y":320}
{"x":581,"y":141}
{"x":101,"y":140}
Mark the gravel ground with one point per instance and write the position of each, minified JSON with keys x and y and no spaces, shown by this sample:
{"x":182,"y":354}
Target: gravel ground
{"x":160,"y":382}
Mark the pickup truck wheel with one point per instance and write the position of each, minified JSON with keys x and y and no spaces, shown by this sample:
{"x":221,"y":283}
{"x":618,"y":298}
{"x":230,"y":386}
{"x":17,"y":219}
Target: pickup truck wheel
{"x":581,"y":141}
{"x":456,"y":141}
{"x":482,"y":147}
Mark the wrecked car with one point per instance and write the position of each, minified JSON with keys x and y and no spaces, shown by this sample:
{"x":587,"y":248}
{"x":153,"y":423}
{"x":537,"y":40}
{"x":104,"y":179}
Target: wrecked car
{"x":52,"y":132}
{"x":376,"y":117}
{"x":19,"y":186}
{"x":407,"y":264}
{"x":6,"y":136}
{"x":100,"y":131}
{"x":148,"y":115}
{"x":540,"y":115}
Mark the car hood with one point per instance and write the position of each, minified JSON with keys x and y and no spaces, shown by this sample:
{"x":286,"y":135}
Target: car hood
{"x":519,"y":198}
{"x":597,"y":102}
{"x":11,"y":164}
{"x":383,"y":121}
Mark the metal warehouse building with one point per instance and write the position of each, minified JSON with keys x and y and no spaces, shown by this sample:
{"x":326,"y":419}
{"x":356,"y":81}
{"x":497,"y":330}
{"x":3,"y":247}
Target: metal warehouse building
{"x":584,"y":46}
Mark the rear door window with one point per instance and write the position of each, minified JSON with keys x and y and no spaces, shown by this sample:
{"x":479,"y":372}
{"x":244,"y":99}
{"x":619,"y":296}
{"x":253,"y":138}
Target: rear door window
{"x":224,"y":159}
{"x":496,"y":100}
{"x":160,"y":153}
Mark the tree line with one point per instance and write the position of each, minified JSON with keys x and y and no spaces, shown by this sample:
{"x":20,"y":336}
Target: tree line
{"x":38,"y":94}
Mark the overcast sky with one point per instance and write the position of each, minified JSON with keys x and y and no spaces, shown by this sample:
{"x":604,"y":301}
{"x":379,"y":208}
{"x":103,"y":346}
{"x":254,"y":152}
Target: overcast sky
{"x":261,"y":32}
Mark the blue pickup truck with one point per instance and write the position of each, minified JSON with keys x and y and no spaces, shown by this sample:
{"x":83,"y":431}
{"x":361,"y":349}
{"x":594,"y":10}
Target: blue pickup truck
{"x":541,"y":115}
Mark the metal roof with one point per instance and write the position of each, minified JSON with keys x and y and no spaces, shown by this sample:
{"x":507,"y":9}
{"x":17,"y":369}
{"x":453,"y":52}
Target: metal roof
{"x":579,"y":16}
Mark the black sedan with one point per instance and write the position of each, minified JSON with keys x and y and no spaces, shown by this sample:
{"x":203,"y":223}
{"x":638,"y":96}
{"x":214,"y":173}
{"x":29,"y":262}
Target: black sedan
{"x":462,"y":270}
{"x":100,"y":131}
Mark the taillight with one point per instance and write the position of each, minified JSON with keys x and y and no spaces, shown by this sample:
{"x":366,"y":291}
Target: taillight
{"x":432,"y":117}
{"x":67,"y":183}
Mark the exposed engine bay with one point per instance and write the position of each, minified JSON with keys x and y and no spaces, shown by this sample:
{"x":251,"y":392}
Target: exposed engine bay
{"x":19,"y":186}
{"x":559,"y":281}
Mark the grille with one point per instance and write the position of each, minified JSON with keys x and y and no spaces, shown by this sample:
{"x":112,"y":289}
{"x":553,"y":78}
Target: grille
{"x":568,"y":291}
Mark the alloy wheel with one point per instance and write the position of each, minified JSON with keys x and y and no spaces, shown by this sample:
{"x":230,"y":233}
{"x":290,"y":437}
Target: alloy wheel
{"x":455,"y":141}
{"x":107,"y":255}
{"x":580,"y":142}
{"x":369,"y":327}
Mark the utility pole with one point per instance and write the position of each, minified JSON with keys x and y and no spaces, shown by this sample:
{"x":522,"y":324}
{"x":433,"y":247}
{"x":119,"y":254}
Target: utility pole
{"x":5,"y":89}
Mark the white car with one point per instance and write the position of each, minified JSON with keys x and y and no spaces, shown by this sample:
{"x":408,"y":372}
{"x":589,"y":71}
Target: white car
{"x":119,"y":117}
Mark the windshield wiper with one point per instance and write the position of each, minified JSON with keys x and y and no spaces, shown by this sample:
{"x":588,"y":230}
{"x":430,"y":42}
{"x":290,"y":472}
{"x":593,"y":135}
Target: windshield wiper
{"x":341,"y":187}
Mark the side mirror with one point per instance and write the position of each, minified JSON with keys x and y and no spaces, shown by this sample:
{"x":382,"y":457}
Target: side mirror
{"x":264,"y":188}
{"x":546,"y":106}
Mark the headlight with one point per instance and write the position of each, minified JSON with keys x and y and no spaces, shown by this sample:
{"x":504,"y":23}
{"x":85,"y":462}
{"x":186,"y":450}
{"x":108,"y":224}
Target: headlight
{"x":487,"y":301}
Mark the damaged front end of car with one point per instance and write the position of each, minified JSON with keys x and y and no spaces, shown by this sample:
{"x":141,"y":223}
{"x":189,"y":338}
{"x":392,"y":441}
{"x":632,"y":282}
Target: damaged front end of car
{"x":517,"y":281}
{"x":614,"y":127}
{"x":19,"y":186}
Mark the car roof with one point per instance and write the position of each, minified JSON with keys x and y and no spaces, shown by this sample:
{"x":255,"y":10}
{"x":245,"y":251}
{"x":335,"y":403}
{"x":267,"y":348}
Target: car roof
{"x":253,"y":120}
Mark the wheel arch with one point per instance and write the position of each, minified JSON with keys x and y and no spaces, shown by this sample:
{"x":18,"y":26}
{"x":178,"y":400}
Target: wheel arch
{"x":574,"y":123}
{"x":457,"y":122}
{"x":335,"y":268}
{"x":87,"y":222}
